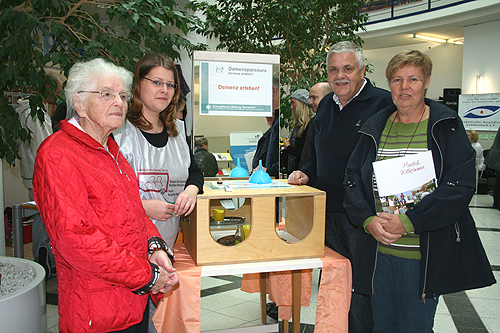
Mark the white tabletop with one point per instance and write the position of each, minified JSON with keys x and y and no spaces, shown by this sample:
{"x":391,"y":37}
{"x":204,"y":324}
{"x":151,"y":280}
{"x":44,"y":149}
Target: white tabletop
{"x":261,"y":267}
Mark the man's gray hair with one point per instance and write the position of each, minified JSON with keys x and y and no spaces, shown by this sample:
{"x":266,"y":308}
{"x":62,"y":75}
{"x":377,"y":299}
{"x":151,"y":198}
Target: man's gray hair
{"x":347,"y":46}
{"x":85,"y":75}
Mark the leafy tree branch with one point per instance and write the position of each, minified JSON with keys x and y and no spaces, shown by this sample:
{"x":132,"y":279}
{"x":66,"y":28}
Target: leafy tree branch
{"x":299,"y":31}
{"x":57,"y":33}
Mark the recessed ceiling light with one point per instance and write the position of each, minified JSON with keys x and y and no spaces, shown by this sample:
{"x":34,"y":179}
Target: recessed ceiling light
{"x":434,"y":39}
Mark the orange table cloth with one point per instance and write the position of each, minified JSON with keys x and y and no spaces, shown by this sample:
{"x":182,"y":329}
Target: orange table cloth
{"x":179,"y":310}
{"x":334,"y":295}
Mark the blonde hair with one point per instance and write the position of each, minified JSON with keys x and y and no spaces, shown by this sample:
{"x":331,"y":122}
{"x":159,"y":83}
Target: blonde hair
{"x":302,"y":115}
{"x":473,"y":135}
{"x":409,"y":58}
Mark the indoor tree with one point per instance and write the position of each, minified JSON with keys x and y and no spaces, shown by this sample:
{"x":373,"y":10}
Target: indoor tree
{"x":57,"y":33}
{"x":301,"y":32}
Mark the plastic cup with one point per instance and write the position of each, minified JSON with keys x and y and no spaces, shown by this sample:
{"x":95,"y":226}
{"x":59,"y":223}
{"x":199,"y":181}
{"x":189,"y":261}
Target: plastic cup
{"x":246,"y":230}
{"x":219,"y":215}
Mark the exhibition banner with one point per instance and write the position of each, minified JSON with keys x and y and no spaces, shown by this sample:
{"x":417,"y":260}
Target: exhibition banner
{"x":236,"y":89}
{"x":480,"y":112}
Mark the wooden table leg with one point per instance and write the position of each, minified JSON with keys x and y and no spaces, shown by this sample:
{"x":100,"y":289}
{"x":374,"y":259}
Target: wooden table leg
{"x":286,"y":329}
{"x":296,"y":302}
{"x":263,"y":299}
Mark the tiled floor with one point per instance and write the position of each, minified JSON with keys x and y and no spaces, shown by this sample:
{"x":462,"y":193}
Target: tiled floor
{"x":224,"y":306}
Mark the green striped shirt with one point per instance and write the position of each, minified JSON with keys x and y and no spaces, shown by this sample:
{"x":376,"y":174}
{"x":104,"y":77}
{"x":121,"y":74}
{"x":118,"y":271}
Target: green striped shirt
{"x":403,"y":139}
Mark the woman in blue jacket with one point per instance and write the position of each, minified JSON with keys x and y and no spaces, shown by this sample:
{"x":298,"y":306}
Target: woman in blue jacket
{"x":405,"y":261}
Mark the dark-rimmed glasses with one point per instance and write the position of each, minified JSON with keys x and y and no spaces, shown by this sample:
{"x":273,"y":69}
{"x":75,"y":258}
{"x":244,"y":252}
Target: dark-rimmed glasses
{"x":159,"y":83}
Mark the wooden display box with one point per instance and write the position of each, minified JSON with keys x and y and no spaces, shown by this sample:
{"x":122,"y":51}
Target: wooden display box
{"x":305,"y":220}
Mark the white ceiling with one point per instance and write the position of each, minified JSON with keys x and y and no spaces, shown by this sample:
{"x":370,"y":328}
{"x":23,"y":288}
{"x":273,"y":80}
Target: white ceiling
{"x":446,"y":23}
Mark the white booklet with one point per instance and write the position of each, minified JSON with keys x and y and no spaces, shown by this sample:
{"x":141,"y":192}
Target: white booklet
{"x":404,"y":181}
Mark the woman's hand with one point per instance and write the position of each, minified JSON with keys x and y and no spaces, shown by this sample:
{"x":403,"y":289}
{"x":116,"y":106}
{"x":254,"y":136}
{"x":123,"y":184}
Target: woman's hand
{"x":168,"y":277}
{"x":393,"y":223}
{"x":158,"y":209}
{"x":286,"y":143}
{"x":186,"y":201}
{"x":376,"y":229}
{"x":165,"y":282}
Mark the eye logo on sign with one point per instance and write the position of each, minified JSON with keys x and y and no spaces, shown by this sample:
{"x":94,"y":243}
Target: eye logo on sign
{"x":482,"y":112}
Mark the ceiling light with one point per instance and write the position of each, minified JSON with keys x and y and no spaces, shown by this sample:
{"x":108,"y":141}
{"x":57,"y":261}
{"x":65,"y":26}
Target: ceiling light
{"x":434,"y":39}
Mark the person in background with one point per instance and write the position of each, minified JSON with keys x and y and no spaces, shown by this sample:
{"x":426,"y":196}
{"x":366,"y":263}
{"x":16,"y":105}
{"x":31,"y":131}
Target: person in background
{"x":59,"y":115}
{"x":205,"y":159}
{"x":301,"y":120}
{"x":181,"y":111}
{"x":39,"y":132}
{"x":154,"y":142}
{"x":109,"y":254}
{"x":318,"y":91}
{"x":264,"y":141}
{"x":493,"y":161}
{"x":51,"y":104}
{"x":480,"y":166}
{"x":406,"y":261}
{"x":42,"y":253}
{"x":336,"y":124}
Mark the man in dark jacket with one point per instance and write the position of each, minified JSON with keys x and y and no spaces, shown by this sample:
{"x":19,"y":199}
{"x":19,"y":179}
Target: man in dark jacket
{"x":339,"y":117}
{"x":268,"y":144}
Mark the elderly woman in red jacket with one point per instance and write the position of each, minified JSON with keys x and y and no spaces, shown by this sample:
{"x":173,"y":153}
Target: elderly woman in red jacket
{"x":108,"y":253}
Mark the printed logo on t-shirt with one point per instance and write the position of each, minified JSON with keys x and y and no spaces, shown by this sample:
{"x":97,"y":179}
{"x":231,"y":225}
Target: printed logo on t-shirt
{"x":152,"y":181}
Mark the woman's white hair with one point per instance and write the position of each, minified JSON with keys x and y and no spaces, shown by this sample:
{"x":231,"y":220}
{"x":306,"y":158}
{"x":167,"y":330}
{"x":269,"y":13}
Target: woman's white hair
{"x":83,"y":76}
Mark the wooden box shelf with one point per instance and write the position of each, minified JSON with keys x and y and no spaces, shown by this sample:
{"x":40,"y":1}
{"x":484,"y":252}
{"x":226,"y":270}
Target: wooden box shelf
{"x":305,"y":220}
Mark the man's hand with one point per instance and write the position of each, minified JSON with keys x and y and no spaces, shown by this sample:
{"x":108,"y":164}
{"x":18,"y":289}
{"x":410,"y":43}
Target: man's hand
{"x":286,"y":143}
{"x":298,"y":178}
{"x":257,"y":169}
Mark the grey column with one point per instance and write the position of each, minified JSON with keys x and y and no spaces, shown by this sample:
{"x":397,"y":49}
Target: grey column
{"x":17,"y":231}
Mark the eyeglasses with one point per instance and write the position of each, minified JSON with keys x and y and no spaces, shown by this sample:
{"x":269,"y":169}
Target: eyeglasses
{"x":110,"y":94}
{"x":160,"y":84}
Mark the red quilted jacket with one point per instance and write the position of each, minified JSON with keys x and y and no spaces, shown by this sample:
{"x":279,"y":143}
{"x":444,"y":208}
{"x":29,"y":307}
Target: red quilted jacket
{"x":89,"y":202}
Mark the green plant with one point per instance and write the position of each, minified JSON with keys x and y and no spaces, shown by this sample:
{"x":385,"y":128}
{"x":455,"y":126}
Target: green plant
{"x":58,"y":33}
{"x":301,"y":32}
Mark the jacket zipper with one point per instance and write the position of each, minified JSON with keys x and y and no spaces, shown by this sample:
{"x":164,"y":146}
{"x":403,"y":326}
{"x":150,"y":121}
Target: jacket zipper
{"x":457,"y":230}
{"x":425,"y":272}
{"x":375,"y":204}
{"x":116,"y":161}
{"x":440,"y":176}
